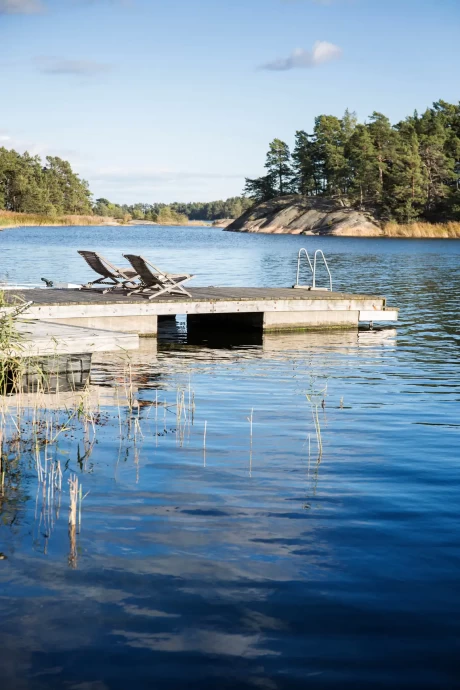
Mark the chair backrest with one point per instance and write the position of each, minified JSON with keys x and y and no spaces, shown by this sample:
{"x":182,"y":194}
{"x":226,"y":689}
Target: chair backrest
{"x":98,"y":264}
{"x":142,"y":268}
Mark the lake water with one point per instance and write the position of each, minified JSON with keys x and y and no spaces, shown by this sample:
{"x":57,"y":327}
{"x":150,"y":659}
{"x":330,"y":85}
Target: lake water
{"x":246,"y":561}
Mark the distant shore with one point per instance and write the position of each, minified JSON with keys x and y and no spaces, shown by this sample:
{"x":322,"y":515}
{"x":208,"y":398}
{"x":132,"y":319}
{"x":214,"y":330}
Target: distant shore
{"x":413,"y":231}
{"x":295,"y":214}
{"x":11,"y":220}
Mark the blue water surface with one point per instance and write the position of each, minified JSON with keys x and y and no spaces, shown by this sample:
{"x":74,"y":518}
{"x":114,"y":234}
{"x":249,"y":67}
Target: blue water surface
{"x":212,"y":558}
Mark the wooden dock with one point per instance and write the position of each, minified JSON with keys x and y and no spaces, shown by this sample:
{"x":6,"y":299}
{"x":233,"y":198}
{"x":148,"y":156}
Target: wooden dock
{"x":42,"y":338}
{"x":270,"y":309}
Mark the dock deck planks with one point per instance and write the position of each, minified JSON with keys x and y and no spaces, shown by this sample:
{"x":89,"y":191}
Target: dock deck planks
{"x":269,"y":308}
{"x":68,"y":297}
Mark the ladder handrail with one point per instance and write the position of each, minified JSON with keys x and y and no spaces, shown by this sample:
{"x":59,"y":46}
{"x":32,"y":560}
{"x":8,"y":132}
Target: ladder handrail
{"x":320,"y":251}
{"x":298,"y":263}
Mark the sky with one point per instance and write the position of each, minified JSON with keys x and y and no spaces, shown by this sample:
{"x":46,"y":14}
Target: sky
{"x":177,"y":100}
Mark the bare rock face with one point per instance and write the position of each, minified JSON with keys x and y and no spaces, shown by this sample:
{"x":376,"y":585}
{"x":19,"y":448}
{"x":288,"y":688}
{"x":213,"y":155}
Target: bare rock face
{"x":223,"y":222}
{"x":298,"y":215}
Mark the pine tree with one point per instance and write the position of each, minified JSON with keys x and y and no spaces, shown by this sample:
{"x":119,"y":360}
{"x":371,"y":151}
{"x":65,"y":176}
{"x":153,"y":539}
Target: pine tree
{"x":261,"y":188}
{"x":330,"y":151}
{"x":382,"y":135}
{"x":363,"y":166}
{"x":434,"y":151}
{"x":349,"y":124}
{"x":278,"y":164}
{"x":408,"y":182}
{"x":305,"y":164}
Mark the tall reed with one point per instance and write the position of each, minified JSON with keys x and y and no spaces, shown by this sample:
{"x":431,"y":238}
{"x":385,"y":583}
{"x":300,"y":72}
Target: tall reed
{"x":11,"y":219}
{"x":423,"y":230}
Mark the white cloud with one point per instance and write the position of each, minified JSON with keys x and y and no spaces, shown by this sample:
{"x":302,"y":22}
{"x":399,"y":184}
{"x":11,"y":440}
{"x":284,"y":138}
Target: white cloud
{"x":143,"y":173}
{"x":21,"y":7}
{"x":131,"y":184}
{"x":39,"y":6}
{"x":34,"y":147}
{"x":146,"y":178}
{"x":322,"y":52}
{"x":85,"y":68}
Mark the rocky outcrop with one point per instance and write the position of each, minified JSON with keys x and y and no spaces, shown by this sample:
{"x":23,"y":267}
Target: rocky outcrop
{"x":299,"y":215}
{"x":223,"y":222}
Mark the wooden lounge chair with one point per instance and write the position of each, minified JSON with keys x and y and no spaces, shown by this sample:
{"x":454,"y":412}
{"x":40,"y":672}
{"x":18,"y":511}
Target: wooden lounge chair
{"x":114,"y":276}
{"x":154,"y":281}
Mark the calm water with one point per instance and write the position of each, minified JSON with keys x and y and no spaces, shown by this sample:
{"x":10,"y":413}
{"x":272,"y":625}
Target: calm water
{"x":252,"y":564}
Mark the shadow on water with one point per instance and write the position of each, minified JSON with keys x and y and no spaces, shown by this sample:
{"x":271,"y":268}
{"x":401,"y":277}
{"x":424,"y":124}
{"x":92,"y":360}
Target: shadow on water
{"x":175,"y":332}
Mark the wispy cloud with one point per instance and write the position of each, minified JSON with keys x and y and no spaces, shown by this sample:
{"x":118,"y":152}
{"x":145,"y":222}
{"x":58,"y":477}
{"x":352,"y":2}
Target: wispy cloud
{"x":81,"y":68}
{"x":304,"y":59}
{"x":39,"y":6}
{"x":21,"y":7}
{"x":10,"y":140}
{"x":135,"y":184}
{"x":141,"y":175}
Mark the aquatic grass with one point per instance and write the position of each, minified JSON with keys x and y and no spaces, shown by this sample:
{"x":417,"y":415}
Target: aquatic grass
{"x":31,"y":429}
{"x":32,"y":432}
{"x":73,"y":505}
{"x":36,"y":431}
{"x":316,"y":397}
{"x":11,"y":342}
{"x":185,"y":412}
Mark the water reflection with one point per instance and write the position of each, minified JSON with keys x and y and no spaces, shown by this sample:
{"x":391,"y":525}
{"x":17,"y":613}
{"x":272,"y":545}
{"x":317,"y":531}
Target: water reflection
{"x":268,"y":565}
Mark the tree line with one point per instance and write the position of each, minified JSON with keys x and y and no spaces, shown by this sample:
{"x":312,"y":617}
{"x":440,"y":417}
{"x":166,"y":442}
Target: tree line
{"x":28,"y":185}
{"x":402,"y":172}
{"x":176,"y":212}
{"x":52,"y":188}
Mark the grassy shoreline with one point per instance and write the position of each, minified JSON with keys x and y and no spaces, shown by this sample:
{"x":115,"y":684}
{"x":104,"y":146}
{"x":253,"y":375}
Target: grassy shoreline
{"x":450,"y":230}
{"x":10,"y":219}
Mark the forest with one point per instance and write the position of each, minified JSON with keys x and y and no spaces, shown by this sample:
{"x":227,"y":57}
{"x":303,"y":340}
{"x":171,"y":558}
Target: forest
{"x":403,"y":172}
{"x":176,"y":212}
{"x":27,"y":185}
{"x":52,"y":188}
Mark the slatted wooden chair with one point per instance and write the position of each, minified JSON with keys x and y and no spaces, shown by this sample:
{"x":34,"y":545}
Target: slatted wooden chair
{"x":156,"y":282}
{"x":113,"y":276}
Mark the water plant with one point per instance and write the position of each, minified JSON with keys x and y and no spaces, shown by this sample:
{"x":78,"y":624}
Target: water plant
{"x":37,"y":429}
{"x":316,"y":397}
{"x":11,"y":342}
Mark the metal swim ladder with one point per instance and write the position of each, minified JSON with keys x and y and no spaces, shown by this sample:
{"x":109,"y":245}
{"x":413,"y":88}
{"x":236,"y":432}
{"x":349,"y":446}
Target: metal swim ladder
{"x":312,"y":266}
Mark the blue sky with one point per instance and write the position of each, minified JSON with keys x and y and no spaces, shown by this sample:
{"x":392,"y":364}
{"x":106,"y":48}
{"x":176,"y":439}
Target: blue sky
{"x":163,"y":100}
